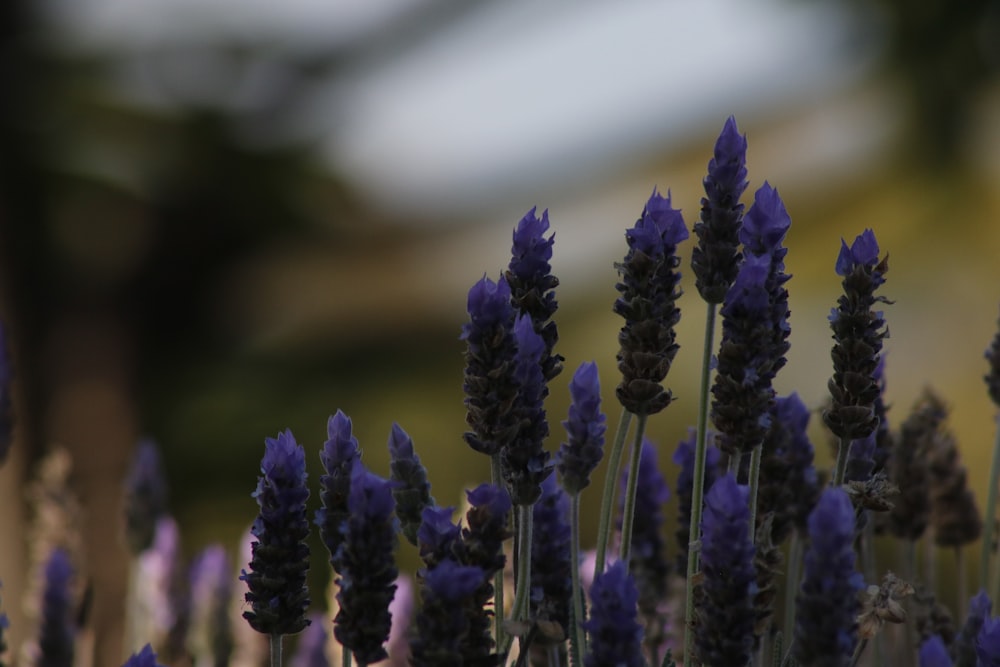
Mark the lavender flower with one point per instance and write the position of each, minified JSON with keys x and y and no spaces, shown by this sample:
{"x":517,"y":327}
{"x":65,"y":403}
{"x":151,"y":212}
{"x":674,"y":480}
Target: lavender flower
{"x":934,"y":654}
{"x":210,"y":639}
{"x":532,"y":283}
{"x":311,"y":648}
{"x":490,"y":387}
{"x":551,"y":571}
{"x":909,"y":471}
{"x":725,"y":613}
{"x":277,"y":579}
{"x":964,"y":648}
{"x":524,"y":461}
{"x":368,"y":568}
{"x":715,"y":260}
{"x":6,"y":406}
{"x":684,"y":458}
{"x":827,"y":604}
{"x":993,"y":376}
{"x":411,"y":491}
{"x":988,"y":643}
{"x":857,"y":333}
{"x":145,"y":496}
{"x":649,"y":293}
{"x":161,"y":613}
{"x":615,"y":634}
{"x":401,"y":608}
{"x":443,"y":630}
{"x":339,"y":455}
{"x":954,"y":517}
{"x":144,"y":658}
{"x":438,"y":538}
{"x":585,"y":428}
{"x":57,"y":632}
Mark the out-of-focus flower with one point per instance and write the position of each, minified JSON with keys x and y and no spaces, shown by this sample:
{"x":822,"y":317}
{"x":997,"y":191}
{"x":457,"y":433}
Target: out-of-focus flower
{"x":145,"y":496}
{"x":964,"y":648}
{"x":402,"y":609}
{"x":649,"y":291}
{"x":585,"y":428}
{"x":57,"y":632}
{"x":615,"y":633}
{"x":277,"y":578}
{"x":909,"y":471}
{"x":490,"y":387}
{"x":368,"y":568}
{"x":725,"y":613}
{"x":955,"y":518}
{"x":988,"y":643}
{"x":411,"y":491}
{"x":443,"y":622}
{"x":715,"y":260}
{"x":339,"y":455}
{"x":144,"y":658}
{"x":551,"y":570}
{"x":684,"y":458}
{"x":160,"y":610}
{"x":311,"y":648}
{"x":827,"y":606}
{"x":993,"y":376}
{"x":532,"y":284}
{"x":933,"y":653}
{"x":210,"y":638}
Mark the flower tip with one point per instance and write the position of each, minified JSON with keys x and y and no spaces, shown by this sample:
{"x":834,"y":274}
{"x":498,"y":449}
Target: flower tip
{"x":400,"y":443}
{"x":730,"y":140}
{"x":338,"y":424}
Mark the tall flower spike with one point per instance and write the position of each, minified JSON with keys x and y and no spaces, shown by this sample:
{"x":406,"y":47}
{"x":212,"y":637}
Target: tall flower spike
{"x":585,"y":427}
{"x":716,"y":258}
{"x":442,"y":624}
{"x":615,"y":634}
{"x":648,"y":554}
{"x":649,"y":291}
{"x":339,"y":454}
{"x":827,"y":605}
{"x":411,"y":490}
{"x":438,"y":538}
{"x":988,"y":643}
{"x":858,"y":331}
{"x":532,"y":283}
{"x":684,"y":458}
{"x":145,"y":496}
{"x":490,"y":388}
{"x":6,"y":405}
{"x":144,"y":658}
{"x":57,"y":634}
{"x":210,"y":639}
{"x":368,"y":568}
{"x":789,"y":487}
{"x":725,"y":613}
{"x":551,"y":572}
{"x":955,"y":517}
{"x":910,"y":515}
{"x":277,"y":593}
{"x":524,"y":461}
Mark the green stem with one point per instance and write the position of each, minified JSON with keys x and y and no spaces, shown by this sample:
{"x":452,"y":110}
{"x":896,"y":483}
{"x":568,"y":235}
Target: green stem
{"x":628,"y":513}
{"x":842,"y":453}
{"x":498,"y":610}
{"x":792,"y":585}
{"x":755,"y":456}
{"x":276,"y":651}
{"x":522,"y":578}
{"x":990,"y":529}
{"x":698,"y":485}
{"x":610,"y":484}
{"x":577,"y":635}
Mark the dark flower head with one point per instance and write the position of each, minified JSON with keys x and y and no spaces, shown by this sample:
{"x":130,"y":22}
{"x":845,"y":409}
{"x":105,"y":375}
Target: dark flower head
{"x":862,"y":252}
{"x":716,"y":257}
{"x":532,"y":283}
{"x":789,"y":487}
{"x":57,"y":632}
{"x":339,"y":455}
{"x":933,"y":653}
{"x":585,"y":428}
{"x":442,"y":626}
{"x":144,"y":658}
{"x":827,"y":605}
{"x":490,"y":387}
{"x":955,"y":516}
{"x":412,"y":491}
{"x":211,"y":637}
{"x":437,"y":537}
{"x":988,"y":643}
{"x":766,"y":223}
{"x":909,"y":468}
{"x":145,"y":496}
{"x":615,"y":634}
{"x":964,"y":648}
{"x":649,"y":292}
{"x":368,"y":568}
{"x":6,"y":406}
{"x":551,"y":571}
{"x":524,"y":461}
{"x":277,"y":579}
{"x":725,"y":614}
{"x":684,"y":458}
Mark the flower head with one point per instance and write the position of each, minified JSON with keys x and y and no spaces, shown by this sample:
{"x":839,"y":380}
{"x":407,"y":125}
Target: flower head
{"x":339,"y":455}
{"x":789,"y":487}
{"x":684,"y":458}
{"x":585,"y":428}
{"x":649,"y":292}
{"x":933,"y":653}
{"x":964,"y":648}
{"x":532,"y":283}
{"x":766,"y":223}
{"x":411,"y":490}
{"x":716,"y":258}
{"x":437,"y":538}
{"x":443,"y":622}
{"x":145,"y":496}
{"x":551,"y":571}
{"x":615,"y":634}
{"x":57,"y":632}
{"x":277,"y":578}
{"x":144,"y":658}
{"x":988,"y":643}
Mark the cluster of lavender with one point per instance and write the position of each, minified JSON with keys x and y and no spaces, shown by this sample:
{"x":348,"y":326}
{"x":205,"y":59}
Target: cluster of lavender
{"x":774,"y":560}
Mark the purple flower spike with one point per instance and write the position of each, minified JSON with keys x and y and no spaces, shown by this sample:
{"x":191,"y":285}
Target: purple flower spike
{"x":277,"y":579}
{"x":863,"y":252}
{"x":716,"y":258}
{"x":827,"y":606}
{"x":210,"y":638}
{"x":339,"y":455}
{"x":57,"y":633}
{"x":551,"y":571}
{"x":964,"y":648}
{"x":532,"y":283}
{"x":443,"y":626}
{"x":684,"y":458}
{"x":437,"y":536}
{"x":144,"y":658}
{"x":647,"y":562}
{"x":145,"y":496}
{"x":585,"y":428}
{"x":412,"y":491}
{"x":766,"y":223}
{"x":933,"y":653}
{"x":988,"y":643}
{"x":789,"y":487}
{"x":725,"y":615}
{"x":615,"y":634}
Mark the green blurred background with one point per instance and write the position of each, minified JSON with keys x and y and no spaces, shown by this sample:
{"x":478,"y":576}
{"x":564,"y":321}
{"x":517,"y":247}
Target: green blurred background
{"x":184,"y":259}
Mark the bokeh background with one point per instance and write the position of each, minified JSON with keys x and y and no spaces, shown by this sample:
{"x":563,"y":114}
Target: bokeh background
{"x":220,"y":219}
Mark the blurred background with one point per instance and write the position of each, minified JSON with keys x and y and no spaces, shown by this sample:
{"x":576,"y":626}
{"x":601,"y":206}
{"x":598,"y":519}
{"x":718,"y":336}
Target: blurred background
{"x":220,"y":219}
